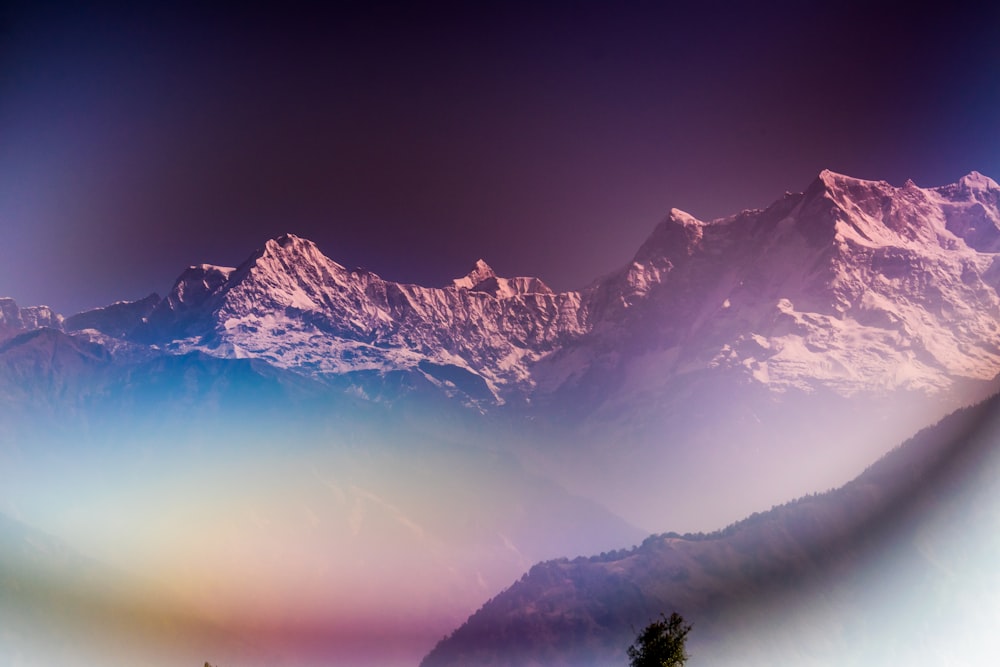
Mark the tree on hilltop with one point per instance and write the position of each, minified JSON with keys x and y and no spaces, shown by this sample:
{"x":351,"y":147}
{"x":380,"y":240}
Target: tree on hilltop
{"x":661,"y":643}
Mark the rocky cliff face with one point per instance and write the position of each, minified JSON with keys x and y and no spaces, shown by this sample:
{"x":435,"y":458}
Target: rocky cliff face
{"x":14,"y":320}
{"x":117,"y":320}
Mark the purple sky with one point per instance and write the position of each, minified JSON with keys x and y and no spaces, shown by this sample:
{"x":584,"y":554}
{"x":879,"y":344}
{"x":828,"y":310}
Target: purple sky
{"x":413,"y":139}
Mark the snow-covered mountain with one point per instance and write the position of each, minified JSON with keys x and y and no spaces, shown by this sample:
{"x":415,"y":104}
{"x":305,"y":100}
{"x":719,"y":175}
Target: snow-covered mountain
{"x":294,"y":307}
{"x":852,"y":286}
{"x":722,"y":346}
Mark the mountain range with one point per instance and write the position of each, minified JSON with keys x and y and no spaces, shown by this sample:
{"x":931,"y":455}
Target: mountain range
{"x":722,"y":346}
{"x":731,"y":365}
{"x":827,"y":288}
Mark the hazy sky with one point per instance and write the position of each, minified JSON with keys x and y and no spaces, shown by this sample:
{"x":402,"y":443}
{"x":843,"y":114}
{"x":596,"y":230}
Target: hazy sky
{"x":413,"y":138}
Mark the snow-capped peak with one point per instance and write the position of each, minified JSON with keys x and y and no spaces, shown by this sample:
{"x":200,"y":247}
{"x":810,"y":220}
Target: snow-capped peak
{"x":683,"y":217}
{"x":677,"y":235}
{"x":480,"y":271}
{"x":829,"y":179}
{"x":288,"y":255}
{"x":835,"y":182}
{"x":976,"y":181}
{"x":210,"y":269}
{"x":289,"y":243}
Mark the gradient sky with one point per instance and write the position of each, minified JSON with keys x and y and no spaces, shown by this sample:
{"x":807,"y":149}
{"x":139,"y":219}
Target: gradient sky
{"x":412,"y":139}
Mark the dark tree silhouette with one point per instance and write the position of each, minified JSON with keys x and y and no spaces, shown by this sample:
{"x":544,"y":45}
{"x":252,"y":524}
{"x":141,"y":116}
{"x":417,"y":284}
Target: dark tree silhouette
{"x":661,"y":643}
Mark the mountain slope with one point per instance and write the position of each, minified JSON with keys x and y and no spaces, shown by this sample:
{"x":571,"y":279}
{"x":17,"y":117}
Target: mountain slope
{"x":854,"y":576}
{"x":118,"y":320}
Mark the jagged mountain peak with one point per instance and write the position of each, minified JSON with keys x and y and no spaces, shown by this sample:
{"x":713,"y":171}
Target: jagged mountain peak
{"x":840,"y":187}
{"x":836,"y":186}
{"x":830,"y":177}
{"x":875,"y":214}
{"x":483,"y":279}
{"x":287,"y":242}
{"x":197,"y":283}
{"x":288,"y":250}
{"x":480,"y":271}
{"x":203,"y":270}
{"x":677,"y":216}
{"x":288,"y":271}
{"x":976,"y":181}
{"x":14,"y":318}
{"x":678,"y":234}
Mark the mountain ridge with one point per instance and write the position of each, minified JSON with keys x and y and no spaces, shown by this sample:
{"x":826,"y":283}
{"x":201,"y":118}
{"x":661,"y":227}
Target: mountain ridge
{"x":837,"y":252}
